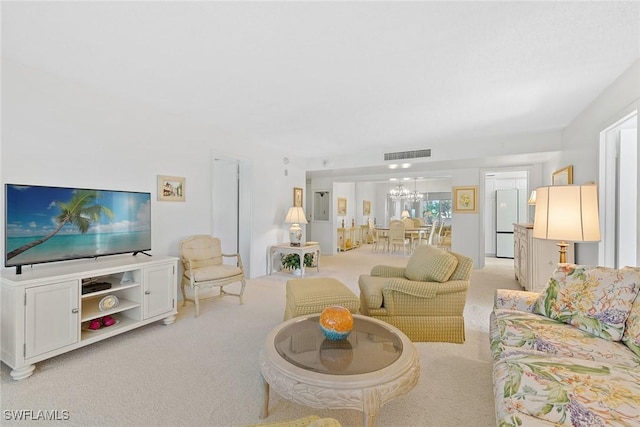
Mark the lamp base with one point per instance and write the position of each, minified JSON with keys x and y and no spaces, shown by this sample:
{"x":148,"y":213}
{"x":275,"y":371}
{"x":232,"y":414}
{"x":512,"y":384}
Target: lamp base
{"x":295,"y":244}
{"x":295,"y":235}
{"x":563,"y":252}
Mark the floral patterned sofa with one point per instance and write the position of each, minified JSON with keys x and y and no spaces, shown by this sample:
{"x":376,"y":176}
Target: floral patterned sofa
{"x":569,"y":355}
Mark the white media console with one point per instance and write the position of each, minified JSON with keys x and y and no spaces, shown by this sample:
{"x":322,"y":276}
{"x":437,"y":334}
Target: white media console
{"x":45,"y":313}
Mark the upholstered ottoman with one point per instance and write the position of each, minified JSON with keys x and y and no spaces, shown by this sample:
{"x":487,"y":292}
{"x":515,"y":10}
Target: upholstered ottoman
{"x":308,"y":296}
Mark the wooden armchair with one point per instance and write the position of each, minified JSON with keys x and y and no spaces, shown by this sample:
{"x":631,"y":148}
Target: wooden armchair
{"x":203,"y":267}
{"x":425,"y":300}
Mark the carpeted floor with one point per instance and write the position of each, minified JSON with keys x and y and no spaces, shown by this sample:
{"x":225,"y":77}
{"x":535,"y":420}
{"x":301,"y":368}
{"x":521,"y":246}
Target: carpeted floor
{"x":203,"y":371}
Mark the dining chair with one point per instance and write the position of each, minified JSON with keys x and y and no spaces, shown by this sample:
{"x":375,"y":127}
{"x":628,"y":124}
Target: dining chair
{"x":432,"y":232}
{"x":397,"y":236}
{"x":377,"y":237}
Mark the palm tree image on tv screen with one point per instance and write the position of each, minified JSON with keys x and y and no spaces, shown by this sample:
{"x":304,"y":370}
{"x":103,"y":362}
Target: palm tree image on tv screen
{"x":45,"y":224}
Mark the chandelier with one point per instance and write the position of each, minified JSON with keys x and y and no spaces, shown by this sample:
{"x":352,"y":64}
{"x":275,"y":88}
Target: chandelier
{"x":399,"y":192}
{"x":415,"y":196}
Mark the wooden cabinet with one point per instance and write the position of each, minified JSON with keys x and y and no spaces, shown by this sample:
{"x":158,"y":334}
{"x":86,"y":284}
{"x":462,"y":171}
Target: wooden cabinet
{"x":535,"y":259}
{"x":45,"y":313}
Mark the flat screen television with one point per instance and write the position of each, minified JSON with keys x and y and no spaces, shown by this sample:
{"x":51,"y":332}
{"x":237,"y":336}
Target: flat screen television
{"x":47,"y":224}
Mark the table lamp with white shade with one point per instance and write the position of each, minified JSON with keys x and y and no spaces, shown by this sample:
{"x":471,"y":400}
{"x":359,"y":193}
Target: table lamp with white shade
{"x":567,"y":213}
{"x":295,"y":217}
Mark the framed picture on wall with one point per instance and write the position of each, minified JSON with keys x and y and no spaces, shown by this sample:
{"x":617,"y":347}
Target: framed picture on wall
{"x":342,"y":206}
{"x":465,"y":199}
{"x":366,"y":208}
{"x":170,"y":188}
{"x":563,"y":176}
{"x":297,"y":197}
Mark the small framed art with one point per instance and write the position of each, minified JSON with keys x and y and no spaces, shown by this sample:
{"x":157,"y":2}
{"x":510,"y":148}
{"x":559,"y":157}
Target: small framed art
{"x":297,"y":197}
{"x":366,"y":208}
{"x":465,"y":199}
{"x":563,"y":176}
{"x":170,"y":188}
{"x":342,"y":206}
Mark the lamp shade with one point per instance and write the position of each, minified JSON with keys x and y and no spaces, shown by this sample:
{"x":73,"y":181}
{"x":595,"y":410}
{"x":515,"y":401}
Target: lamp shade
{"x":405,"y":214}
{"x":532,"y":198}
{"x":568,"y":213}
{"x":296,"y":215}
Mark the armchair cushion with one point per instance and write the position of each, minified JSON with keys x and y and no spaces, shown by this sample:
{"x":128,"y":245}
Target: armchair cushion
{"x":595,"y":299}
{"x":430,"y":264}
{"x":213,"y":272}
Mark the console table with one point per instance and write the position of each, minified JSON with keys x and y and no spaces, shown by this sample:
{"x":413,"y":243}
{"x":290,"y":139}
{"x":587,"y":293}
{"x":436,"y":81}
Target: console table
{"x":348,"y":238}
{"x":286,"y":248}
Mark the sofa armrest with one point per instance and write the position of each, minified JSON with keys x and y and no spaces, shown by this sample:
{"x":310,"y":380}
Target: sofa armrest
{"x":515,"y":300}
{"x":387,"y":271}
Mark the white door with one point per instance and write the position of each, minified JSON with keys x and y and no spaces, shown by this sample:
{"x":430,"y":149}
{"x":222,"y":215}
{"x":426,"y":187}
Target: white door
{"x":619,"y":195}
{"x":225,"y":203}
{"x":231,"y":210}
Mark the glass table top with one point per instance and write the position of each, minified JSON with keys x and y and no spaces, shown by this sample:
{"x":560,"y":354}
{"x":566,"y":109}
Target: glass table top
{"x":368,"y":348}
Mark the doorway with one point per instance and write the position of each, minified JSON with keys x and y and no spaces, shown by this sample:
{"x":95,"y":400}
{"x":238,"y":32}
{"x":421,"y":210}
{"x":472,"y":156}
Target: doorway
{"x":619,"y":193}
{"x":231,"y":207}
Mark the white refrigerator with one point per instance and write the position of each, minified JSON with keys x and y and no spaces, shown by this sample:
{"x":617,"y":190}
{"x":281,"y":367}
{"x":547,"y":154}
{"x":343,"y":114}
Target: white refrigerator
{"x":511,"y":208}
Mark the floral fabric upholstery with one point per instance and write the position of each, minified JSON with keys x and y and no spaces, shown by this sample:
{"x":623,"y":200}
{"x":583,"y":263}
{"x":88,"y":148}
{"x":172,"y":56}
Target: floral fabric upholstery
{"x":595,"y":299}
{"x":550,"y":372}
{"x":515,"y":300}
{"x":518,"y":332}
{"x":631,"y":336}
{"x":547,"y":390}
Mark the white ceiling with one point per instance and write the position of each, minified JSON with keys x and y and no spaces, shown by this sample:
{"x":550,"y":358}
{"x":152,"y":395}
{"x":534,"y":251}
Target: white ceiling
{"x":338,"y":77}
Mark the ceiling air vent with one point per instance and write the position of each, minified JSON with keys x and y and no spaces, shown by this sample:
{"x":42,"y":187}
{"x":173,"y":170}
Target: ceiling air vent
{"x":401,"y":155}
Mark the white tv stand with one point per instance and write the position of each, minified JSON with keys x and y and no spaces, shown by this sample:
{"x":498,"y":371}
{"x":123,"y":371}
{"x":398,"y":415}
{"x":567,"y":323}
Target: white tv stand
{"x":44,"y":312}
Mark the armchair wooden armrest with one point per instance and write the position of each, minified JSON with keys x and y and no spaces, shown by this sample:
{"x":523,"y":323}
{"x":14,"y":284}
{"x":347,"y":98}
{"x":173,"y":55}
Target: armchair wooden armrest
{"x":238,"y":260}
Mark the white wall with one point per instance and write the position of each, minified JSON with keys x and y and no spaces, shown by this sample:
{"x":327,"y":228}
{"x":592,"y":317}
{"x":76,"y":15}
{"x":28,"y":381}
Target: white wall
{"x":581,"y":140}
{"x":365,"y":191}
{"x":62,"y":133}
{"x":57,"y":132}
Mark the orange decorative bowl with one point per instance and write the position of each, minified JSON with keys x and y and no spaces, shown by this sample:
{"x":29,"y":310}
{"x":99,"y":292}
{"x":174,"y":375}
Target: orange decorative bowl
{"x":336,"y":322}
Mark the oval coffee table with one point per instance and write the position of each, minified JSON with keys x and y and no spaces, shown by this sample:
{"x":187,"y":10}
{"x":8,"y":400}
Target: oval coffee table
{"x":373,"y":365}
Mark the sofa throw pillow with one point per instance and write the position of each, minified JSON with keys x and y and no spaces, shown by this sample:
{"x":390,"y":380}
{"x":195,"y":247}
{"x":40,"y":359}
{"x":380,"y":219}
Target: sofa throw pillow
{"x":631,"y":336}
{"x":595,"y":299}
{"x":430,"y":264}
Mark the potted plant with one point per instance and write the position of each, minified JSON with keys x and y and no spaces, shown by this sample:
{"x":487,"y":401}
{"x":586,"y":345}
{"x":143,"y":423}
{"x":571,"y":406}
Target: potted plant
{"x":292,"y":262}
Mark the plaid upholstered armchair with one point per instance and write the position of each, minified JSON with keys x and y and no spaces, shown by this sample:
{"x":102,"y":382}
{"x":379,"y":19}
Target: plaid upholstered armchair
{"x":425,"y":300}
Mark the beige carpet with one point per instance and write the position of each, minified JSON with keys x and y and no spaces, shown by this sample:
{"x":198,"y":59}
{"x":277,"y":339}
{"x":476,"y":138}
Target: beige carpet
{"x":203,"y":371}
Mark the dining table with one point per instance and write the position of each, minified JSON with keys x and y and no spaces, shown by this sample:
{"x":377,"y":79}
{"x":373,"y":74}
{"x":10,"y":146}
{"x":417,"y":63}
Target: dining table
{"x":414,"y":234}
